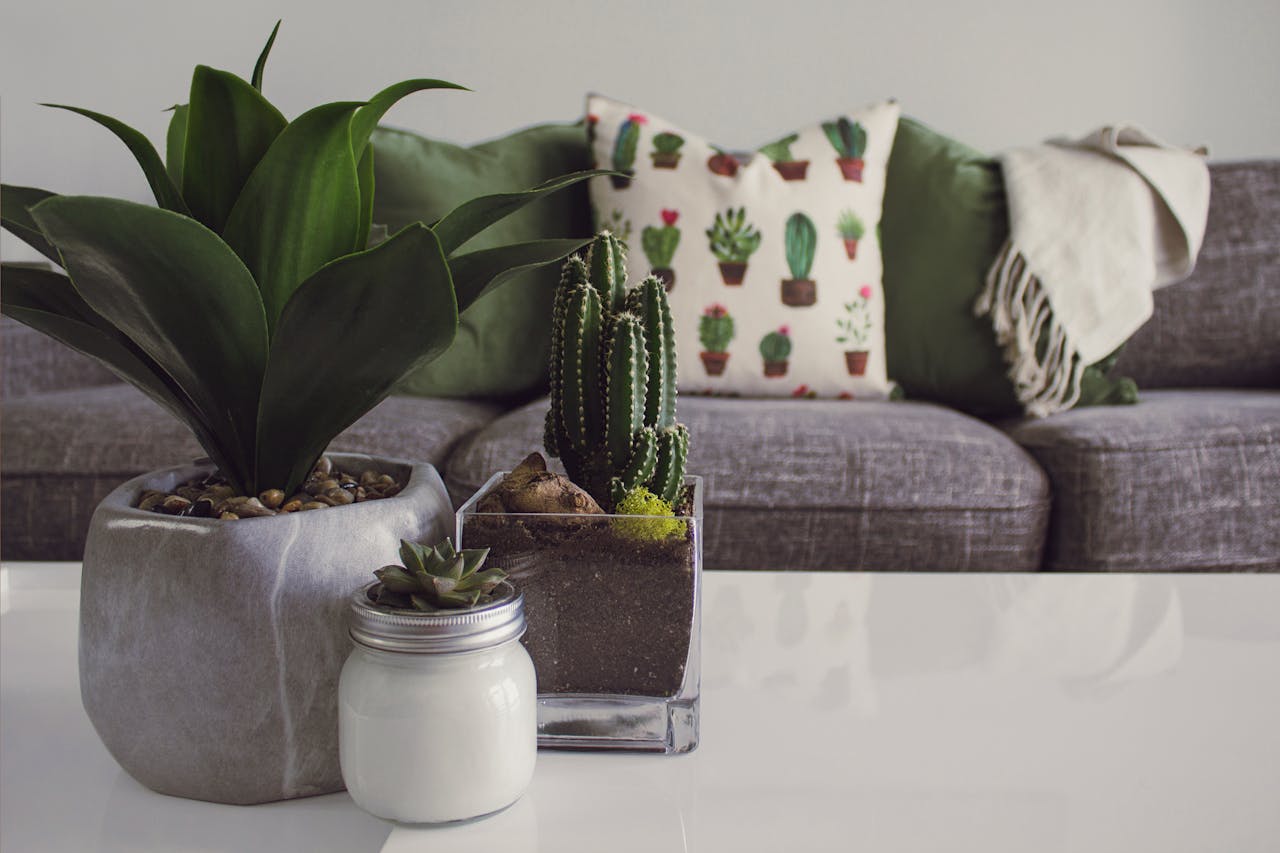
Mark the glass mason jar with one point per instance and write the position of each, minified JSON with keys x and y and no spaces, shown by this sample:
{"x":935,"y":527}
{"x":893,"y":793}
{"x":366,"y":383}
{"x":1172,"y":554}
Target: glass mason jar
{"x":437,"y":712}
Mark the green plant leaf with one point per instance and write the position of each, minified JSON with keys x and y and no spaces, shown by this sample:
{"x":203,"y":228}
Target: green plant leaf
{"x":364,"y":174}
{"x":477,"y":273}
{"x":180,"y":294}
{"x":175,"y":143}
{"x":261,"y":64}
{"x":230,"y":126}
{"x":15,"y":215}
{"x":300,"y":209}
{"x":349,"y":333}
{"x":470,"y":218}
{"x":47,"y":302}
{"x":162,"y":186}
{"x":368,"y":116}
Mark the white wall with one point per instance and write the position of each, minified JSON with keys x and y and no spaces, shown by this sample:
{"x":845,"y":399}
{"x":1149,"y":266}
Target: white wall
{"x":996,"y":74}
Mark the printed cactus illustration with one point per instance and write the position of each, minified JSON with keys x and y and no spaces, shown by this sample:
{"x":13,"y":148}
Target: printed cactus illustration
{"x":801,"y":244}
{"x":715,"y":331}
{"x":855,"y":330}
{"x":618,"y":224}
{"x":666,"y":150}
{"x":733,"y":240}
{"x":849,"y":139}
{"x":624,"y":149}
{"x":723,"y":163}
{"x":850,"y":229}
{"x":775,"y":349}
{"x":438,"y":578}
{"x":612,"y":420}
{"x":784,"y":162}
{"x":660,"y":246}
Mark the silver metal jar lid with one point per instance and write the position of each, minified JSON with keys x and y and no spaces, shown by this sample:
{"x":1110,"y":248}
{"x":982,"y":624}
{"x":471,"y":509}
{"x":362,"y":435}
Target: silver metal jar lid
{"x":442,"y":632}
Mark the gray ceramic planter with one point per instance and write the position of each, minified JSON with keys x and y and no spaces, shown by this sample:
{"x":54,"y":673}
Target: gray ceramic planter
{"x":210,"y":650}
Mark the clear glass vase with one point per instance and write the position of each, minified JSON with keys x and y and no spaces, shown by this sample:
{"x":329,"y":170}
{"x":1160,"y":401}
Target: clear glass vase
{"x":612,"y":603}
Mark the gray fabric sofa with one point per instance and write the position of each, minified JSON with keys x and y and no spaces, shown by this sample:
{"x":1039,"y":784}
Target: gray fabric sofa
{"x":1188,"y":479}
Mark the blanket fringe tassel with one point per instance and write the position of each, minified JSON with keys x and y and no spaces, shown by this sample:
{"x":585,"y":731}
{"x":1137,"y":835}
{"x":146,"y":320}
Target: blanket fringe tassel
{"x":1045,"y":380}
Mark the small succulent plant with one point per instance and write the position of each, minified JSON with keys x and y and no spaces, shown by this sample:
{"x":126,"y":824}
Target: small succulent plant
{"x":438,"y":578}
{"x":667,"y":143}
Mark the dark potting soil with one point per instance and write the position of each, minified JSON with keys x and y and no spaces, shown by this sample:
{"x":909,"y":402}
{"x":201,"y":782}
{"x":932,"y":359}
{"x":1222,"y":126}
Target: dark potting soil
{"x":607,"y":612}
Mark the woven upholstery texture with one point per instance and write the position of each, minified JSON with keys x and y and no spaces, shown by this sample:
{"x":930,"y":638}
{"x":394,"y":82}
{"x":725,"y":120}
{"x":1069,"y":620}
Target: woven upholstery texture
{"x":1184,"y":480}
{"x":829,"y":485}
{"x":1221,"y":327}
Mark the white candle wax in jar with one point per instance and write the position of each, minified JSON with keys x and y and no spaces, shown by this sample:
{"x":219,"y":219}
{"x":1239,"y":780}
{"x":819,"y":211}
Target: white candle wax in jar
{"x":437,"y":711}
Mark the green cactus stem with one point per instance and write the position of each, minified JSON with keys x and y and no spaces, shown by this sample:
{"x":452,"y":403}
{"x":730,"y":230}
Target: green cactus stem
{"x":660,"y":244}
{"x":666,"y":150}
{"x":801,"y":244}
{"x":613,"y":380}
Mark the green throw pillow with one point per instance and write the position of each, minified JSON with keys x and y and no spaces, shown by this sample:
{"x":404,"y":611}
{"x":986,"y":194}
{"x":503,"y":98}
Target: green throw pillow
{"x":944,"y":221}
{"x":503,"y":341}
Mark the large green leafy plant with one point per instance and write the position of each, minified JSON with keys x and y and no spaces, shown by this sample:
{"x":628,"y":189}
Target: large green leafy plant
{"x":252,"y":302}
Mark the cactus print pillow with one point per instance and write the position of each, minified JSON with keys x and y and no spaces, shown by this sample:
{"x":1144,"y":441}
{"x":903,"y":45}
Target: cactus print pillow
{"x":772,"y":260}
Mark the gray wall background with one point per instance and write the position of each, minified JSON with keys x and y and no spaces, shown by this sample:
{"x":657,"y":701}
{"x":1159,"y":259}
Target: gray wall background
{"x":996,"y":74}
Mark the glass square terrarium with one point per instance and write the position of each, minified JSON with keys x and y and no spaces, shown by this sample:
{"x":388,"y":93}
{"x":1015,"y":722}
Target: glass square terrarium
{"x":612,"y":603}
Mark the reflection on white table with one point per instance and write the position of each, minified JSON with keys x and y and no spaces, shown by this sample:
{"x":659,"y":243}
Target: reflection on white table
{"x":890,"y":712}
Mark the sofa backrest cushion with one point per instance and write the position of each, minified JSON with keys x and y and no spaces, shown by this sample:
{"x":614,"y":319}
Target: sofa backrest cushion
{"x":1221,"y":327}
{"x":31,"y":362}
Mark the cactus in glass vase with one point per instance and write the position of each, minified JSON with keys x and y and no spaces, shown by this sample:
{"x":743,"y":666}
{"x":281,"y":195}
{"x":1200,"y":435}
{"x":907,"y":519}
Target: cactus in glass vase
{"x":624,"y":150}
{"x":801,"y":241}
{"x":612,"y":420}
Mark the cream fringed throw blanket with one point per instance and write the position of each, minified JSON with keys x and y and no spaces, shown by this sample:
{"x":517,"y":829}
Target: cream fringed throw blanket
{"x":1095,"y":226}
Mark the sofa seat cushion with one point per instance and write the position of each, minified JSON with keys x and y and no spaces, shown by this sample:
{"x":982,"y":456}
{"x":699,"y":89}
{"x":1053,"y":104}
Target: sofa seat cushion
{"x":1185,"y":480}
{"x":63,"y":451}
{"x":832,"y":485}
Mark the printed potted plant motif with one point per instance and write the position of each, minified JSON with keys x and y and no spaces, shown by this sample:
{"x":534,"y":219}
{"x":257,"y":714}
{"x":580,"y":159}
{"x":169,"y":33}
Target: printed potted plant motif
{"x":723,"y":163}
{"x":666,"y":150}
{"x":800,"y":291}
{"x":660,"y":246}
{"x":786,"y":165}
{"x":775,"y":349}
{"x":733,"y":241}
{"x":855,"y":331}
{"x":850,"y":141}
{"x":617,"y":224}
{"x":624,"y":150}
{"x":850,"y":229}
{"x":715,"y":331}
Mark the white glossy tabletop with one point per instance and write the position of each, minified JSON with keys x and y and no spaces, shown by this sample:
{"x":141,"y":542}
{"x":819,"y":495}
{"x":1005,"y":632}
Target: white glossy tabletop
{"x":840,"y":712}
